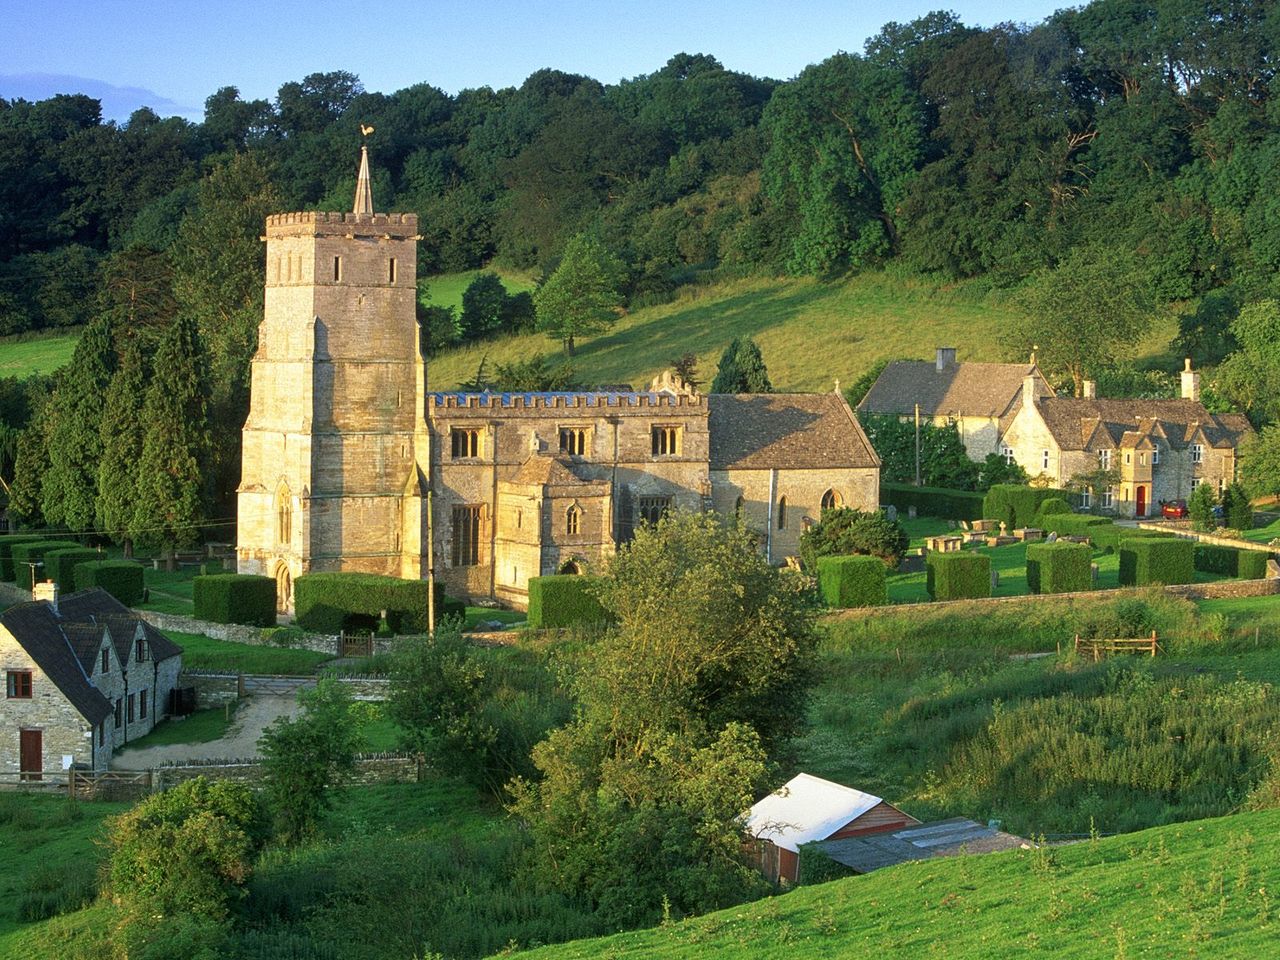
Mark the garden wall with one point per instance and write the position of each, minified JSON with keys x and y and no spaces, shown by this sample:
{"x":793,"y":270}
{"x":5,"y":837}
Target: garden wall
{"x":1207,"y":537}
{"x":240,"y":633}
{"x":371,"y":768}
{"x":212,"y":689}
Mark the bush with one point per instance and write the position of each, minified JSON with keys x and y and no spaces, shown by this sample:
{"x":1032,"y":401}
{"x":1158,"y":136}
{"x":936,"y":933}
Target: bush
{"x":1237,"y":508}
{"x":932,"y":501}
{"x":1016,"y":505}
{"x":333,"y":602}
{"x":1107,"y":537}
{"x":852,"y":581}
{"x":60,"y":565}
{"x":1230,"y":561}
{"x":845,"y":531}
{"x":1059,"y":567}
{"x":1200,"y":507}
{"x":958,"y":576}
{"x":1156,"y":560}
{"x":120,"y":578}
{"x":563,"y":601}
{"x":7,"y":543}
{"x":1052,"y":507}
{"x":816,"y":866}
{"x":34,"y":551}
{"x":235,"y":598}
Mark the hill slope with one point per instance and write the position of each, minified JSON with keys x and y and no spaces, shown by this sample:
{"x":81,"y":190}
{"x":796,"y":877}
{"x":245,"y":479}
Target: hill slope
{"x":811,"y":332}
{"x":1196,"y":889}
{"x":21,"y":358}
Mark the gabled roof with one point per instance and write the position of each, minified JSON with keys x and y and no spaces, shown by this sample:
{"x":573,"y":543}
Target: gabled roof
{"x":958,"y":389}
{"x":799,"y":431}
{"x":805,"y":809}
{"x":37,"y":629}
{"x":96,"y":606}
{"x":1077,"y":423}
{"x":548,"y":471}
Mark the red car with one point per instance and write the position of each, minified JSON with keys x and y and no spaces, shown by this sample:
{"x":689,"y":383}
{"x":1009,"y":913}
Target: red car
{"x":1174,"y":509}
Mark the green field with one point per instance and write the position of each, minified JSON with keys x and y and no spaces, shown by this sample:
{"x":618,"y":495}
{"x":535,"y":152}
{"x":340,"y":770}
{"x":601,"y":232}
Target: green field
{"x":205,"y":653}
{"x":855,"y":322}
{"x":23,"y":357}
{"x":203,"y":726}
{"x":1204,"y":889}
{"x":446,"y":289}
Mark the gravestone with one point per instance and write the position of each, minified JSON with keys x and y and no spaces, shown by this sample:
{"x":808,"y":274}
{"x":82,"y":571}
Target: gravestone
{"x":891,"y":513}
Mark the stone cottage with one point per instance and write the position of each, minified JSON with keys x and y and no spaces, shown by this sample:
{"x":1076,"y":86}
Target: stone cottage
{"x":83,"y":676}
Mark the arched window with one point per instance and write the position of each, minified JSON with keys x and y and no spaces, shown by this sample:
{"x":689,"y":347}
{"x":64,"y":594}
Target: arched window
{"x":782,"y":513}
{"x":573,"y":521}
{"x":284,"y":516}
{"x":831,"y":500}
{"x":284,"y":589}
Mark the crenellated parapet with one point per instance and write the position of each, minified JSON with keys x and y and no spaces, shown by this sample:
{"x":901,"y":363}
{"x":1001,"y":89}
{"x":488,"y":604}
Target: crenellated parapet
{"x":594,"y":400}
{"x":337,"y":223}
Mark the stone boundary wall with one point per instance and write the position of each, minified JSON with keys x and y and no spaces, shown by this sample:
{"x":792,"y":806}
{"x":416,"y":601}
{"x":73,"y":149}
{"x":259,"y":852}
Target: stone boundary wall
{"x":238,"y":632}
{"x":1207,"y":537}
{"x":366,"y":688}
{"x":212,"y":689}
{"x":369,"y":769}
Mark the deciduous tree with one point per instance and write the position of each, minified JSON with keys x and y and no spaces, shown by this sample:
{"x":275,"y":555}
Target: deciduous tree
{"x":583,"y":295}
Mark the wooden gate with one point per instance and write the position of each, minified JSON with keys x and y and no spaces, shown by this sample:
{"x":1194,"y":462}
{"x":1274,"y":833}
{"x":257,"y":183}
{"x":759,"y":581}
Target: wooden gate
{"x":113,"y":785}
{"x":1097,"y":649}
{"x":357,"y":644}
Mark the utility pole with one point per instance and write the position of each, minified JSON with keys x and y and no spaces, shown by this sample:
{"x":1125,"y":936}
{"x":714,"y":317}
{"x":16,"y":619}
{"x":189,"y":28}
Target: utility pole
{"x":431,"y":569}
{"x":917,"y":444}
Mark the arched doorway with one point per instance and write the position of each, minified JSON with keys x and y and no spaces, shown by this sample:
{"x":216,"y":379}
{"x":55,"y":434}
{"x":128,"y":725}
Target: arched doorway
{"x":284,"y":589}
{"x":571,"y":568}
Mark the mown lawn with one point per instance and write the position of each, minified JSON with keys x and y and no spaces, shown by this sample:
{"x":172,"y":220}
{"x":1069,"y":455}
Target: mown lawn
{"x":205,"y":653}
{"x":1264,"y":534}
{"x":446,"y":289}
{"x":44,"y":355}
{"x":203,"y":726}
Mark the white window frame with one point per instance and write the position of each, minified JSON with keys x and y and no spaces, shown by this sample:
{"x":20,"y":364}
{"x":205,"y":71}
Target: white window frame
{"x":1155,"y":455}
{"x":1108,"y":498}
{"x":1104,"y":459}
{"x":1086,"y":498}
{"x":1197,"y":453}
{"x":1006,"y":451}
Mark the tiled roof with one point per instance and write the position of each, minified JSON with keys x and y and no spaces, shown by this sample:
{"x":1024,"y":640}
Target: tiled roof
{"x":36,"y":628}
{"x":95,"y":606}
{"x":799,"y":431}
{"x":548,"y":471}
{"x":1074,"y":420}
{"x":958,"y":389}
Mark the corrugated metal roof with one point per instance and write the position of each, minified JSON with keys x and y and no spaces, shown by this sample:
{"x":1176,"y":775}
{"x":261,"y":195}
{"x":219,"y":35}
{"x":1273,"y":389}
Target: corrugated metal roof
{"x":806,"y":808}
{"x":943,"y":838}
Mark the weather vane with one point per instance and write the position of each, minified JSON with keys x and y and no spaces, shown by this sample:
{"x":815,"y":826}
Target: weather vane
{"x":365,"y":130}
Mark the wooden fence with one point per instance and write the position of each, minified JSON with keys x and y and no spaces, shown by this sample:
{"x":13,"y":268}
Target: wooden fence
{"x":1097,"y":649}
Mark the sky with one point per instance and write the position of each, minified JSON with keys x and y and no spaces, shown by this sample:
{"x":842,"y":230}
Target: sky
{"x":171,"y":55}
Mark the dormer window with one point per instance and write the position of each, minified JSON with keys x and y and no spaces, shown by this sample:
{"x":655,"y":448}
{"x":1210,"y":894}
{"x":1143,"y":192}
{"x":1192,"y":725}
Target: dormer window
{"x":140,"y":653}
{"x":1104,"y":459}
{"x":1155,"y":456}
{"x":1197,"y":453}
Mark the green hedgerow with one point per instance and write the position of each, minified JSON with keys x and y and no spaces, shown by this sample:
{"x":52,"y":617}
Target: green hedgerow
{"x":852,"y":581}
{"x":1059,"y":567}
{"x":963,"y":575}
{"x":235,"y":598}
{"x":120,"y":578}
{"x":1156,"y":560}
{"x":564,"y":600}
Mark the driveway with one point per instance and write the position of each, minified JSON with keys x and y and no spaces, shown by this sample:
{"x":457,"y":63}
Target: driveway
{"x":254,"y":715}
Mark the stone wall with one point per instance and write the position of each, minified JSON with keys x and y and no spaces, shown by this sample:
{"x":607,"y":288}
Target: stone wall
{"x":1186,"y":531}
{"x":212,"y":689}
{"x":239,"y":633}
{"x":369,"y":769}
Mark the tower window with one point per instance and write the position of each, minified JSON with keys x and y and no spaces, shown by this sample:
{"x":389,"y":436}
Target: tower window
{"x":337,"y":269}
{"x":666,"y":441}
{"x":651,"y":509}
{"x":466,"y":536}
{"x":391,"y":270}
{"x":573,"y":521}
{"x":782,"y":513}
{"x":464,"y":442}
{"x":573,"y":441}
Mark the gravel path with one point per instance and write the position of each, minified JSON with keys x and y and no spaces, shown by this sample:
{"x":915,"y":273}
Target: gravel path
{"x":253,"y":716}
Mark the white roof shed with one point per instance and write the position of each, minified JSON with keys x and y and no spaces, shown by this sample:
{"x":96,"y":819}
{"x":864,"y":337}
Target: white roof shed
{"x":805,"y":809}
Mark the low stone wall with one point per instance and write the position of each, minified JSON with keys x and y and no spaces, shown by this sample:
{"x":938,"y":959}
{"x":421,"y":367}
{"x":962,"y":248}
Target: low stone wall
{"x":1207,"y":537}
{"x":370,"y":769}
{"x":238,"y":632}
{"x":212,"y":689}
{"x":366,"y":688}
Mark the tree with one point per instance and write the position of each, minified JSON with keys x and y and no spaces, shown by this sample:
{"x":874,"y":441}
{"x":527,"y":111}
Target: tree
{"x":741,"y":369}
{"x":535,"y":373}
{"x":1081,"y":315}
{"x":121,"y":439}
{"x":304,"y":757}
{"x":1250,"y":377}
{"x":1260,"y":462}
{"x":1237,"y":507}
{"x":1201,"y":508}
{"x":844,"y":531}
{"x":31,"y":463}
{"x":944,"y":462}
{"x":175,"y":442}
{"x":582,"y":296}
{"x":482,"y":306}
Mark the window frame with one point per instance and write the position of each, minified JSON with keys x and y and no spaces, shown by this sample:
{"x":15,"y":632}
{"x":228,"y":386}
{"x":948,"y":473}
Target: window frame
{"x":18,"y":681}
{"x":651,"y":509}
{"x":142,"y":704}
{"x":831,"y":500}
{"x":573,"y":521}
{"x":1104,"y":459}
{"x":666,"y":440}
{"x":574,"y":441}
{"x":1086,"y":498}
{"x":1108,"y":499}
{"x":106,"y":660}
{"x":468,"y":440}
{"x":1197,"y":453}
{"x":467,"y":527}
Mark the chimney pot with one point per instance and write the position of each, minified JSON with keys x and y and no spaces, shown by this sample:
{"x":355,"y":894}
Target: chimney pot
{"x":945,"y":355}
{"x":1090,"y":389}
{"x":48,"y":590}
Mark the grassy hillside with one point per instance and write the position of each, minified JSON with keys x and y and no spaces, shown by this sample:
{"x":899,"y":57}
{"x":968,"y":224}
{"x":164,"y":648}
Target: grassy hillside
{"x":21,"y":358}
{"x":1203,"y":889}
{"x":810,"y":332}
{"x":445,"y":290}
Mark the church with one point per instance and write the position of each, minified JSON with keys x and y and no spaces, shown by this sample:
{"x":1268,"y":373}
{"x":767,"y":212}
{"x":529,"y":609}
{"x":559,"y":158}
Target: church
{"x":353,"y":462}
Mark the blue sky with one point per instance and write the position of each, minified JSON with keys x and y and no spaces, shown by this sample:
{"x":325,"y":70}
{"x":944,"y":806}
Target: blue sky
{"x":171,"y":55}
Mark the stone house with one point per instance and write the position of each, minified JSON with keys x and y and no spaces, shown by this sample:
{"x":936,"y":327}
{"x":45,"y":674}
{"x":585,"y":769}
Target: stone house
{"x":981,"y":399}
{"x":350,"y":461}
{"x":83,"y":677}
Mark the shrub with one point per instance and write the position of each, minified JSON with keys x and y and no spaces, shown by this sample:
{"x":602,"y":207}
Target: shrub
{"x":1016,"y":505}
{"x":1201,"y":507}
{"x":1053,"y":507}
{"x":563,"y":601}
{"x":7,"y":543}
{"x":932,"y":501}
{"x":816,"y":866}
{"x":60,"y":565}
{"x":962,"y":575}
{"x":235,"y":598}
{"x":120,"y":578}
{"x":1059,"y":567}
{"x":1230,"y":561}
{"x":1237,"y":508}
{"x":332,"y":602}
{"x":1107,"y":537}
{"x":34,"y":551}
{"x":1156,"y":560}
{"x":852,"y":581}
{"x":845,"y":531}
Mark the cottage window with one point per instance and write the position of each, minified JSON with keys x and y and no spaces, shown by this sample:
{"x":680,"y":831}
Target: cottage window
{"x":573,"y":441}
{"x":19,"y":684}
{"x":1155,"y":456}
{"x":118,"y":712}
{"x":464,"y":442}
{"x":831,"y":500}
{"x":1108,"y":498}
{"x":651,"y":509}
{"x":142,"y":705}
{"x":141,"y":653}
{"x":782,"y":513}
{"x":1006,"y":451}
{"x":1044,"y":460}
{"x":666,"y":441}
{"x":1196,"y":481}
{"x":572,"y":521}
{"x":1086,"y":498}
{"x":1142,"y":459}
{"x":1104,"y":459}
{"x":1197,"y":453}
{"x":1128,"y":458}
{"x":466,"y":536}
{"x":130,"y":709}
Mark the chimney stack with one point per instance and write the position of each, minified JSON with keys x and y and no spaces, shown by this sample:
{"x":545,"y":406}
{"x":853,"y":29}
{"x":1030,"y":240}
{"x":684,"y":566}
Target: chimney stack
{"x":48,"y":590}
{"x":946,"y":355}
{"x":1029,"y":387}
{"x":1089,"y":389}
{"x":1190,"y":382}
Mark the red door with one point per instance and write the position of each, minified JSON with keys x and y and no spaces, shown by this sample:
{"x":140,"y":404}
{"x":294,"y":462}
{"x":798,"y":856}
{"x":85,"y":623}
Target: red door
{"x":1141,"y":494}
{"x":31,"y":753}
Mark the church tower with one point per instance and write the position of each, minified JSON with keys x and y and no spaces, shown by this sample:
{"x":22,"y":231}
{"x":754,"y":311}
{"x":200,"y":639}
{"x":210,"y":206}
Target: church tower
{"x":331,"y":477}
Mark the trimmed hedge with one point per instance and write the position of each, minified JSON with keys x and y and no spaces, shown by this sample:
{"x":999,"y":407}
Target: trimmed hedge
{"x":1147,"y":560}
{"x":1230,"y":561}
{"x":852,"y":581}
{"x":330,"y":602}
{"x":932,"y":501}
{"x":1053,"y":507}
{"x":565,"y":599}
{"x":60,"y":565}
{"x":1059,"y":567}
{"x":32,"y":552}
{"x":7,"y":543}
{"x":235,"y":598}
{"x":1108,"y":538}
{"x":1017,"y":505}
{"x":962,"y":575}
{"x":120,"y":578}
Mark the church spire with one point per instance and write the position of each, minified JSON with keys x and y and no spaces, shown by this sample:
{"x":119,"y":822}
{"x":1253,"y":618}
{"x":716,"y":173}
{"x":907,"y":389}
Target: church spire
{"x":364,"y":190}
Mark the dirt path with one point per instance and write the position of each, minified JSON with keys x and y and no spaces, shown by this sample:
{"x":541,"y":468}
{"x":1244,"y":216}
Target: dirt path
{"x":253,"y":716}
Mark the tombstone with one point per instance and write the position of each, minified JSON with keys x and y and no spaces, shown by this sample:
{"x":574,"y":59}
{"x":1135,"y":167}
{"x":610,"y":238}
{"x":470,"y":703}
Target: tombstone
{"x":1051,"y":538}
{"x":1004,"y":529}
{"x":911,"y":512}
{"x":1093,"y":572}
{"x":995,"y":580}
{"x":891,"y":513}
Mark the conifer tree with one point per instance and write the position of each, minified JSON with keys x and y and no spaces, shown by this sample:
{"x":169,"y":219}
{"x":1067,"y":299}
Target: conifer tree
{"x":175,"y":443}
{"x":742,"y":369}
{"x":1237,"y":508}
{"x":122,"y":434}
{"x":30,"y":466}
{"x":69,"y":487}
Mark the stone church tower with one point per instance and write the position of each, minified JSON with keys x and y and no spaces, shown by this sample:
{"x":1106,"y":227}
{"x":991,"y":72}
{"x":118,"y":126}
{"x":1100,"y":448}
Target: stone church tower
{"x":335,"y":446}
